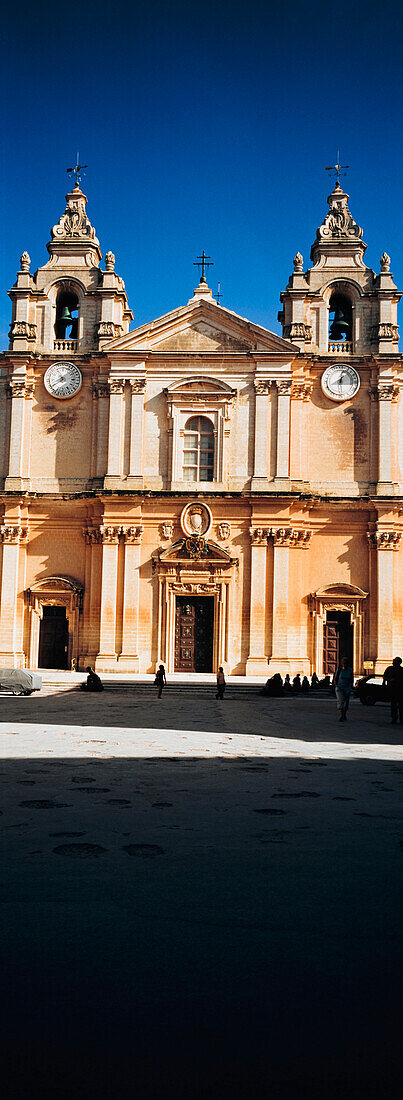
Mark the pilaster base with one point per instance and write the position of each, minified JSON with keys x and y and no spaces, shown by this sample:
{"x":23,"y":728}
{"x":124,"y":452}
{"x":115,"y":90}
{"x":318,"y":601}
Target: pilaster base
{"x":256,"y":666}
{"x":13,"y":484}
{"x":127,"y":662}
{"x":386,"y":489}
{"x":292,"y":665}
{"x":281,"y":484}
{"x":260,"y":484}
{"x":12,"y":659}
{"x":105,"y":662}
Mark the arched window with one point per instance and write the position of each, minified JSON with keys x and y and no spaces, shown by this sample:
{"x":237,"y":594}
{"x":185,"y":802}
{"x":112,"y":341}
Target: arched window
{"x":66,"y":326}
{"x":340,"y":319}
{"x":198,"y":449}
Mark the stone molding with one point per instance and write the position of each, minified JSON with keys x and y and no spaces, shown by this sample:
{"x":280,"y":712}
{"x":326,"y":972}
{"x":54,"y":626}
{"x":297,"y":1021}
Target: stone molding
{"x":13,"y":533}
{"x":384,"y":540}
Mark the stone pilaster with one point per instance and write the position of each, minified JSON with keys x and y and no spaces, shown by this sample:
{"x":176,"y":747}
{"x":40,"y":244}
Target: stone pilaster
{"x":100,"y":392}
{"x":384,"y":543}
{"x":284,"y":540}
{"x":261,"y":443}
{"x":115,"y":434}
{"x":129,"y":657}
{"x":107,"y":642}
{"x":11,"y":538}
{"x":387,"y":395}
{"x":283,"y":434}
{"x":256,"y":664}
{"x":21,"y":394}
{"x":135,"y":476}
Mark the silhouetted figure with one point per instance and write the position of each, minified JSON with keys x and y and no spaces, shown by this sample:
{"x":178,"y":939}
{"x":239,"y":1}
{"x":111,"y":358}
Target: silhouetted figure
{"x":297,"y":682}
{"x":314,"y":681}
{"x":93,"y":681}
{"x":343,"y":683}
{"x":325,"y":683}
{"x":273,"y":686}
{"x":305,"y":686}
{"x":220,"y":683}
{"x":393,"y":680}
{"x":160,"y":680}
{"x":287,"y":684}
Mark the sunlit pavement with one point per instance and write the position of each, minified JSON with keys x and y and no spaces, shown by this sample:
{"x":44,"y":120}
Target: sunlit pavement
{"x":200,"y":898}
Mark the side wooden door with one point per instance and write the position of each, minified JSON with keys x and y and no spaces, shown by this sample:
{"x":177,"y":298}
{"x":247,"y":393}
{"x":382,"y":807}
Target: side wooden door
{"x":185,"y":635}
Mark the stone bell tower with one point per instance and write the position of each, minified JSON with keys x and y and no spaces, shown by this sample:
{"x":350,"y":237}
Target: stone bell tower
{"x":339,"y":306}
{"x":70,"y":305}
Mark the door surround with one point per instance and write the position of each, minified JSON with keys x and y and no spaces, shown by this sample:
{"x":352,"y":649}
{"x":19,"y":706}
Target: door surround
{"x":54,"y":592}
{"x":337,"y":597}
{"x":178,"y":574}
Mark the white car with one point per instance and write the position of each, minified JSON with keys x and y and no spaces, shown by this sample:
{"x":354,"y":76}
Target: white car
{"x":20,"y":681}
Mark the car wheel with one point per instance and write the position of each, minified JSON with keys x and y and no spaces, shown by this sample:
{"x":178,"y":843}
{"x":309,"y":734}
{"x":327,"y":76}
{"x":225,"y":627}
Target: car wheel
{"x":18,"y":692}
{"x":369,"y":701}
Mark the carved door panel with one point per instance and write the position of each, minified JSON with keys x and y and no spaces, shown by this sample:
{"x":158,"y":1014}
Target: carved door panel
{"x":331,"y":648}
{"x":185,"y":635}
{"x":194,"y":634}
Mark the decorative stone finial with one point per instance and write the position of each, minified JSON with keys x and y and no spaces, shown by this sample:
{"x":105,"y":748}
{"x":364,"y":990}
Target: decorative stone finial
{"x":338,"y":222}
{"x":385,"y":262}
{"x":25,"y":261}
{"x":74,"y":224}
{"x":110,"y":261}
{"x":298,"y":262}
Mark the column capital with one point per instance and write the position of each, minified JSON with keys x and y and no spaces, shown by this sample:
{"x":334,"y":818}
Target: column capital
{"x":258,"y":535}
{"x":109,"y":534}
{"x":137,"y":385}
{"x":301,"y":390}
{"x":384,"y":540}
{"x":14,"y":533}
{"x":92,"y":535}
{"x":262,"y":386}
{"x":290,"y":537}
{"x":388,"y":391}
{"x":284,"y":387}
{"x":132,"y":534}
{"x":100,"y":389}
{"x":19,"y":387}
{"x":116,"y":385}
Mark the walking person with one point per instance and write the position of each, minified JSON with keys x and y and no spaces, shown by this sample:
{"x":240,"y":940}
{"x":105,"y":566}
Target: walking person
{"x":343,"y":683}
{"x":160,"y":680}
{"x":220,"y":683}
{"x":393,"y":679}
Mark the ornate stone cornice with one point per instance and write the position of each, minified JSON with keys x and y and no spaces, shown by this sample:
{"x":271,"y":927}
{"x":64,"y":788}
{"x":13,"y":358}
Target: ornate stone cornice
{"x":13,"y":533}
{"x":384,"y":540}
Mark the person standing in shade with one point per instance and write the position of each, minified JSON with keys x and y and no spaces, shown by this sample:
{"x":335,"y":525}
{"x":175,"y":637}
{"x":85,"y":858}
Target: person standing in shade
{"x":220,"y":683}
{"x":393,"y":679}
{"x":343,"y":683}
{"x":160,"y":680}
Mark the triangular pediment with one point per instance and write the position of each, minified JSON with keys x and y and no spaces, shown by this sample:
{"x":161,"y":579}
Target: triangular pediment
{"x":179,"y":554}
{"x":202,"y":326}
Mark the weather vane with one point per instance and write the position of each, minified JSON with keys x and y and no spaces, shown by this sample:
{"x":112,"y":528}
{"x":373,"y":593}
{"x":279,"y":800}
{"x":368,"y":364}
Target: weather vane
{"x":76,"y":170}
{"x":218,"y":296}
{"x":203,"y":261}
{"x":338,"y":169}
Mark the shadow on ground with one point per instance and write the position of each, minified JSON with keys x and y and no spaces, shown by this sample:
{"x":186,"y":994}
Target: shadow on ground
{"x":192,"y":928}
{"x":312,"y":718}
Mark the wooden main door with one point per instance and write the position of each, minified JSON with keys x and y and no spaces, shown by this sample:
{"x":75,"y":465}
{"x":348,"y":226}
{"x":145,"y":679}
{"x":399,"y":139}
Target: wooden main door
{"x":337,"y":641}
{"x":194,"y":634}
{"x":53,"y":638}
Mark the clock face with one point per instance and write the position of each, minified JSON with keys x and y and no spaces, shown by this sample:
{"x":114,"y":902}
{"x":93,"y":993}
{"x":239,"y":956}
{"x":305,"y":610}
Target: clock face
{"x":63,"y":380}
{"x":340,"y":382}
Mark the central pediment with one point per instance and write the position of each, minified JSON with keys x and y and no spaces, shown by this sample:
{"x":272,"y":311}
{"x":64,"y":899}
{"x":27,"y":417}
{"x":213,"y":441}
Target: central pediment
{"x":202,"y":326}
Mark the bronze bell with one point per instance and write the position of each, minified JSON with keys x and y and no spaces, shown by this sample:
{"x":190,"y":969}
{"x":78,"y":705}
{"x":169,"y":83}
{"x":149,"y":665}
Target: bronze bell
{"x":340,"y":326}
{"x":66,"y":317}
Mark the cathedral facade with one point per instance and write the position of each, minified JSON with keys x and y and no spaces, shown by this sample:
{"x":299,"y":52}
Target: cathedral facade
{"x":199,"y":490}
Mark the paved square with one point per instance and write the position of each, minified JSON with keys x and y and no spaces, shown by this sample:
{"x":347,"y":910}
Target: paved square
{"x":200,"y":898}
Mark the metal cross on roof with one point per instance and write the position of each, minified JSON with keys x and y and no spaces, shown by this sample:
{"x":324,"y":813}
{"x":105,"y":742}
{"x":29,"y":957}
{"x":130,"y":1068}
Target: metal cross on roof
{"x":76,"y":170}
{"x":203,"y":261}
{"x":338,"y":169}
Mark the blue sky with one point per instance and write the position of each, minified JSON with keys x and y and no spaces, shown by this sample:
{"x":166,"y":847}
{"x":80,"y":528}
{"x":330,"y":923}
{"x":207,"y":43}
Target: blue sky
{"x":203,"y":126}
